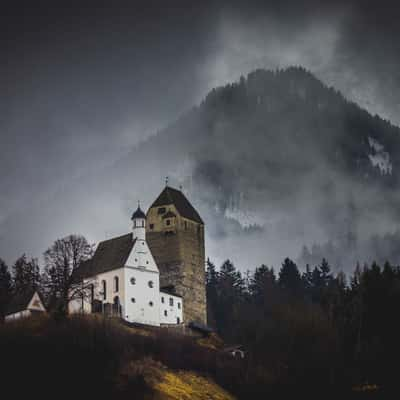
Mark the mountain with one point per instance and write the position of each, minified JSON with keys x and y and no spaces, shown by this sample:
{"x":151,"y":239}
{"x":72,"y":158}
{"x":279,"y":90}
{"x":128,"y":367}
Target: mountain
{"x":273,"y":162}
{"x":277,"y":160}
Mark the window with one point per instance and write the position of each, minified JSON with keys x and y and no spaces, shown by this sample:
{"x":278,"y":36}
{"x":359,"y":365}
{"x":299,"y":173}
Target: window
{"x":116,"y":284}
{"x":133,"y":300}
{"x":168,"y":222}
{"x":186,"y":225}
{"x":150,"y":303}
{"x":162,"y":300}
{"x":151,"y":226}
{"x":171,"y":301}
{"x":104,"y":289}
{"x":178,"y":320}
{"x":142,"y":223}
{"x":161,"y":210}
{"x":151,"y":284}
{"x":133,"y":281}
{"x":165,"y":313}
{"x":91,"y":293}
{"x":147,"y":262}
{"x":179,"y":305}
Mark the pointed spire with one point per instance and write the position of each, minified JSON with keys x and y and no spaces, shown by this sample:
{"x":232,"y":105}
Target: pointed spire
{"x":138,"y":213}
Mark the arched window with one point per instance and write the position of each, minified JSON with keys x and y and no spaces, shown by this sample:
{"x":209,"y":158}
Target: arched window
{"x":104,"y":289}
{"x":116,"y":284}
{"x":151,"y":284}
{"x":133,"y":281}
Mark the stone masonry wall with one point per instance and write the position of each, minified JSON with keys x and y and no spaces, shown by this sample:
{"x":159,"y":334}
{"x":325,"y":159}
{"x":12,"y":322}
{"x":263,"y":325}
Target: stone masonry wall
{"x":178,"y":250}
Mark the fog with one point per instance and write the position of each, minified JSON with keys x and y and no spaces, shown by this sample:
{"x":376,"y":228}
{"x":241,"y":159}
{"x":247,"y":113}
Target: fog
{"x":84,"y":89}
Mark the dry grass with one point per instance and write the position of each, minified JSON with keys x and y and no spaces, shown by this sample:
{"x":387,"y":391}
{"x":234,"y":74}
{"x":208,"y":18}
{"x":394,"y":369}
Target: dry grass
{"x":186,"y":385}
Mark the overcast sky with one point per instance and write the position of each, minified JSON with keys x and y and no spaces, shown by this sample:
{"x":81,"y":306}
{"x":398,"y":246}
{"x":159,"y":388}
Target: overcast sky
{"x":80,"y":85}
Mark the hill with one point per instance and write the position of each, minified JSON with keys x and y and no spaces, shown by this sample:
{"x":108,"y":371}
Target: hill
{"x":101,"y":358}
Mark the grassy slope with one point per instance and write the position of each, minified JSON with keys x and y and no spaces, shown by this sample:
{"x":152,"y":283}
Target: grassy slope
{"x":102,"y":358}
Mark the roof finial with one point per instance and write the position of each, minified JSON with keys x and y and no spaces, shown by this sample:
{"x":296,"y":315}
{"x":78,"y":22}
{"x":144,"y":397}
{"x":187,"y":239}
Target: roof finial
{"x":166,"y":181}
{"x":138,"y":204}
{"x":180,"y":187}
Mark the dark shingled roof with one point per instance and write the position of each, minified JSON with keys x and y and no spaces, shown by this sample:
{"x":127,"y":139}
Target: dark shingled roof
{"x":138,"y":214}
{"x":178,"y":199}
{"x":21,"y":301}
{"x":110,"y":254}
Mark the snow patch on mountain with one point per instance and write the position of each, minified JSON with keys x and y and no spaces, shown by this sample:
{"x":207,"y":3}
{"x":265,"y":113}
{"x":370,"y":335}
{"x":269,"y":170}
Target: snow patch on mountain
{"x":380,"y":158}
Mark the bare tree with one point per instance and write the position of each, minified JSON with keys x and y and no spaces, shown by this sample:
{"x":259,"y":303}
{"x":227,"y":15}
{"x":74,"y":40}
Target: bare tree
{"x":61,"y":259}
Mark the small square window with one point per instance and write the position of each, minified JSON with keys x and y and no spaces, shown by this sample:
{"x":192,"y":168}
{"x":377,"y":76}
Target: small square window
{"x":150,"y":303}
{"x":151,"y":284}
{"x":161,"y":210}
{"x":168,"y":222}
{"x":133,"y":300}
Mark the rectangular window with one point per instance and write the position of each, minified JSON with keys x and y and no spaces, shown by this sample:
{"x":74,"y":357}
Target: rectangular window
{"x":104,"y":289}
{"x":151,"y":226}
{"x":179,"y":305}
{"x":165,"y":313}
{"x":161,"y":210}
{"x":116,"y":284}
{"x":171,"y":301}
{"x":162,"y":299}
{"x":168,"y":222}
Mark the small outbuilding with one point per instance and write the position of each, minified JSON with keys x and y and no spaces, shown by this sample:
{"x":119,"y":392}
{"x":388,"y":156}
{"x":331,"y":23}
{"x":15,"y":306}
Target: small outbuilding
{"x":24,"y":305}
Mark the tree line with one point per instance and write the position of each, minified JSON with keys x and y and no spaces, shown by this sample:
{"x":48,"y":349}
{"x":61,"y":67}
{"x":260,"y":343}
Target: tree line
{"x":313,"y":328}
{"x":53,"y":279}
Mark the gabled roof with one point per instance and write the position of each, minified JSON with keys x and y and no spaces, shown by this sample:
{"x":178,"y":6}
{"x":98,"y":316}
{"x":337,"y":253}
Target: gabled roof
{"x":110,"y":254}
{"x":20,"y":301}
{"x":178,"y":199}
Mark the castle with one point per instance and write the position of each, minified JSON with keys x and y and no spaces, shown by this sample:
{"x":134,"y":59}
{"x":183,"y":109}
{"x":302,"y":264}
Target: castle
{"x":154,"y":275}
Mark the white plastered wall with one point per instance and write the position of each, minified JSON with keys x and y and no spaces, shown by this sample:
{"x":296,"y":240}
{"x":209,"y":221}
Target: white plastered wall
{"x":142,"y":286}
{"x":171,"y":311}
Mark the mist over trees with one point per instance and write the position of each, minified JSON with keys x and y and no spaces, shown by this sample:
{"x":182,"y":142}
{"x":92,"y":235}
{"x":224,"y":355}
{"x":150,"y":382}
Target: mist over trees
{"x":313,"y":329}
{"x":276,"y":160}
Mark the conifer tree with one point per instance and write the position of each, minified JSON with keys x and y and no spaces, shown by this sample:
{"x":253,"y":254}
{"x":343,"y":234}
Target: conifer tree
{"x":26,"y":274}
{"x":5,"y":288}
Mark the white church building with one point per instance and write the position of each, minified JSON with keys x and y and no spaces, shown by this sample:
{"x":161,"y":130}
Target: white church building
{"x":122,"y":279}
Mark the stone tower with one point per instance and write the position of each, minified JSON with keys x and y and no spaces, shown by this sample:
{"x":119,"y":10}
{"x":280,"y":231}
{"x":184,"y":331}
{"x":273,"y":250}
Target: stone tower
{"x":175,"y":235}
